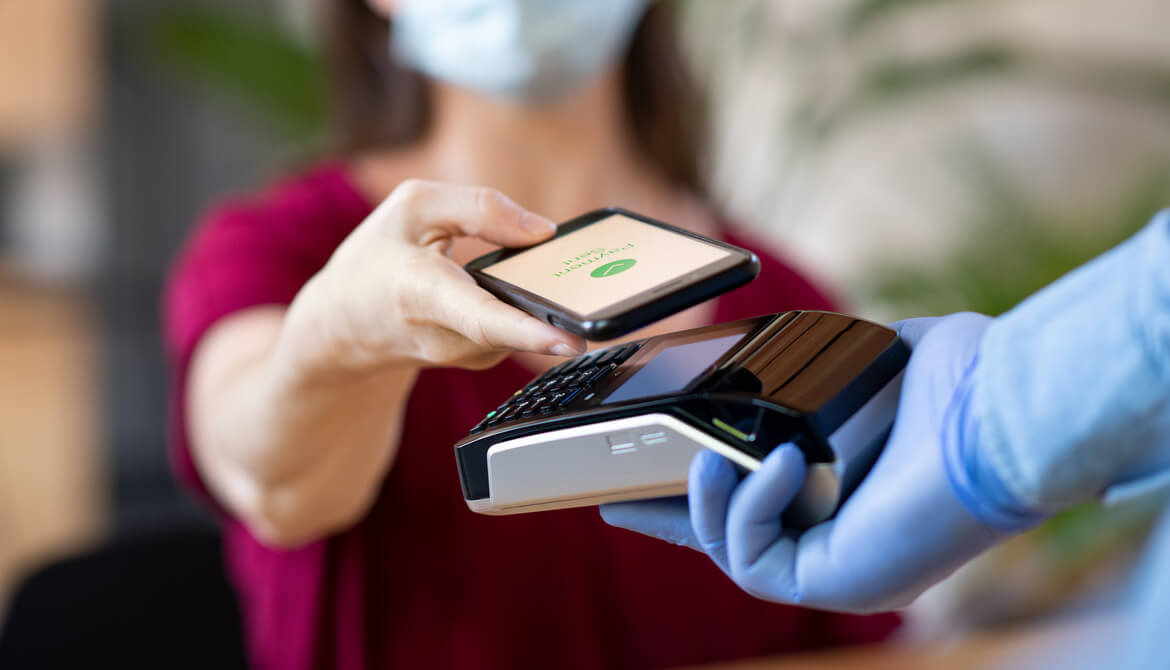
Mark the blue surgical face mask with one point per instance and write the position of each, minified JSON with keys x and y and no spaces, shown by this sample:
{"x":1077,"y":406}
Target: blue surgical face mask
{"x":527,"y":51}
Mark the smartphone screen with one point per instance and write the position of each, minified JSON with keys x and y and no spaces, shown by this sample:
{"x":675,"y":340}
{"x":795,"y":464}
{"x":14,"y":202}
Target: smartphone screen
{"x":605,"y":263}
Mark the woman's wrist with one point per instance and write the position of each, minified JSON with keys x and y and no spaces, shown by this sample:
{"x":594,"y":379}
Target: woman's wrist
{"x":312,"y":350}
{"x":306,"y":392}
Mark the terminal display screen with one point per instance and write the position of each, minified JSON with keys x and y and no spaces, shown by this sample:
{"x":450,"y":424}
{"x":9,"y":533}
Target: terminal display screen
{"x":673,"y":367}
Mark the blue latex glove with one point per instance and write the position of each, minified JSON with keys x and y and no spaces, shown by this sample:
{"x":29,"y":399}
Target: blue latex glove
{"x":902,"y":530}
{"x":1063,"y":399}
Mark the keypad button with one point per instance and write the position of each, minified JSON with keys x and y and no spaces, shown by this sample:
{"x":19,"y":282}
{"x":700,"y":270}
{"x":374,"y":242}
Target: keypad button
{"x":570,"y":395}
{"x":609,"y":356}
{"x":555,"y":370}
{"x":588,"y":360}
{"x":579,"y":363}
{"x":559,"y":386}
{"x":626,"y":352}
{"x":573,"y":366}
{"x":534,"y":405}
{"x":514,"y":412}
{"x":598,"y":374}
{"x":575,"y":379}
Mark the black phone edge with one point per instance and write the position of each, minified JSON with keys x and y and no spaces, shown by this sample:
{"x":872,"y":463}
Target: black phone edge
{"x":607,"y":329}
{"x":673,"y":302}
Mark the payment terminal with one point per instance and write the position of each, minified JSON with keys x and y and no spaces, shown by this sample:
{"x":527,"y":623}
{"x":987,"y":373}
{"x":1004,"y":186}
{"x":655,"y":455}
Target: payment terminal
{"x":622,"y":423}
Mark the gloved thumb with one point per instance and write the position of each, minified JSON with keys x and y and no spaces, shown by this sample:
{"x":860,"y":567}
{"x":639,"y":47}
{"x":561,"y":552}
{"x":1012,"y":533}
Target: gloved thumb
{"x":758,"y":550}
{"x":913,"y":330}
{"x":710,"y":485}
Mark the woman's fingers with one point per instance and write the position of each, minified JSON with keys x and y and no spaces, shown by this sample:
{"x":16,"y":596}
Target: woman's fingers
{"x":486,"y":322}
{"x":432,"y":212}
{"x":423,"y":213}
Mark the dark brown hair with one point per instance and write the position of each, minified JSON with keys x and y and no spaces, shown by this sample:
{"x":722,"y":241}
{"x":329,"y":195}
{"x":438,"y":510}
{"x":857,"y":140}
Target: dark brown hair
{"x":378,"y":103}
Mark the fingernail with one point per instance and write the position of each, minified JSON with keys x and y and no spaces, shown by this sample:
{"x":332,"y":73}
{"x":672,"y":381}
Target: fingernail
{"x":538,"y":224}
{"x":563,"y":349}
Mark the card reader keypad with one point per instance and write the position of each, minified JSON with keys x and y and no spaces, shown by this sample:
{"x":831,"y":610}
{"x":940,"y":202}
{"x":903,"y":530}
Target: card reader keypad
{"x":556,"y":389}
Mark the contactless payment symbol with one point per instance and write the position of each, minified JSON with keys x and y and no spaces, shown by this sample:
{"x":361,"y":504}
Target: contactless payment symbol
{"x":613,"y":267}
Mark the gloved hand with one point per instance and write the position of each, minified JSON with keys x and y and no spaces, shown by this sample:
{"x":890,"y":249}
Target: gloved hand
{"x":903,"y":529}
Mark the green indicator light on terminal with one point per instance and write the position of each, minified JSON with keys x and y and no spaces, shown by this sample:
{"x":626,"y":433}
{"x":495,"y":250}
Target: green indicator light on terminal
{"x":723,"y":425}
{"x":491,"y":414}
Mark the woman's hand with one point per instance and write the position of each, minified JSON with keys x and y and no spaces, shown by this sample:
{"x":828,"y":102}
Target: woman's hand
{"x":294,"y":415}
{"x":390,"y":295}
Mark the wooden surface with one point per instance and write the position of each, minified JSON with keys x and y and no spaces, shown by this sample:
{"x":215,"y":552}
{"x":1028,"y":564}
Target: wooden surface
{"x":50,"y":497}
{"x":1040,"y":645}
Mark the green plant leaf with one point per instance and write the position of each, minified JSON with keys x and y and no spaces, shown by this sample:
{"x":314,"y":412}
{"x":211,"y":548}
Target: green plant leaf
{"x":892,"y":82}
{"x":863,"y":14}
{"x":1013,"y":247}
{"x":249,"y":60}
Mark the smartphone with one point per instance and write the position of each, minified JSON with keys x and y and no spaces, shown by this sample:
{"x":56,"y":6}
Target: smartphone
{"x":611,"y":271}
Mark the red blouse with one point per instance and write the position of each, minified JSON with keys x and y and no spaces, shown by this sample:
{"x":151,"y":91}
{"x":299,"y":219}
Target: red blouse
{"x":423,"y":582}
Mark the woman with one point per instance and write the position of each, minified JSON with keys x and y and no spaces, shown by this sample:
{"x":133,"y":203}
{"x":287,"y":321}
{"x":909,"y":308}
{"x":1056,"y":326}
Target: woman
{"x":329,"y":353}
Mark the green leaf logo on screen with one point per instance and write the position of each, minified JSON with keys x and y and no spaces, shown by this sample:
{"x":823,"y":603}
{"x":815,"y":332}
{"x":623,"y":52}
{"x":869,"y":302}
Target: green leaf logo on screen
{"x":613,"y":268}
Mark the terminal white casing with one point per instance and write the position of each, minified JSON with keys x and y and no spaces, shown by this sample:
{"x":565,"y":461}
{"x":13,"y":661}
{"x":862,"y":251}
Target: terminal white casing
{"x":648,"y":456}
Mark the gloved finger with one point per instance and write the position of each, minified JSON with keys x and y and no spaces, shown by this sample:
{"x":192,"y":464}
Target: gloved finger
{"x":754,"y":526}
{"x":711,"y":482}
{"x":491,"y":324}
{"x":662,"y":518}
{"x":432,"y":211}
{"x":913,"y":330}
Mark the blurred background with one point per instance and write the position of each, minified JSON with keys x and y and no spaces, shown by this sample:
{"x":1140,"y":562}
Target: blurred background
{"x":917,"y":156}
